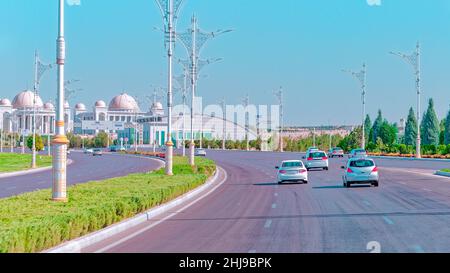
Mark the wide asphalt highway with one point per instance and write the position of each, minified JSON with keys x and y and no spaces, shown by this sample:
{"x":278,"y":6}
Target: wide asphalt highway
{"x":250,"y":213}
{"x":84,"y":168}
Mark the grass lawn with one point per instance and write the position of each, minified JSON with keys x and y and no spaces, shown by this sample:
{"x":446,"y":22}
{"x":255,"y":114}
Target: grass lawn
{"x":446,"y":170}
{"x":32,"y":222}
{"x":20,"y":162}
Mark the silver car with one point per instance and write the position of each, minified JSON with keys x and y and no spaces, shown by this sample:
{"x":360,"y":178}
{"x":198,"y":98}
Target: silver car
{"x":360,"y":171}
{"x":292,"y":170}
{"x":316,"y":160}
{"x":355,"y":153}
{"x":200,"y":152}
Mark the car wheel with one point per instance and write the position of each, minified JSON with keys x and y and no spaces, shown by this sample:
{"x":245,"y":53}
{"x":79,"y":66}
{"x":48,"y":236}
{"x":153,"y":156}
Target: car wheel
{"x":305,"y":182}
{"x":375,"y":184}
{"x":326,"y":169}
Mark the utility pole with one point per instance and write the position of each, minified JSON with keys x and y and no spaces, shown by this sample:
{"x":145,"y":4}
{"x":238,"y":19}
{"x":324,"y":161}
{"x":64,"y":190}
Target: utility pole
{"x":414,"y":60}
{"x":361,"y":77}
{"x":314,"y":137}
{"x":224,"y":129}
{"x":1,"y":140}
{"x":280,"y":98}
{"x":246,"y":102}
{"x":194,"y":40}
{"x":169,"y":10}
{"x":39,"y":70}
{"x":60,"y":142}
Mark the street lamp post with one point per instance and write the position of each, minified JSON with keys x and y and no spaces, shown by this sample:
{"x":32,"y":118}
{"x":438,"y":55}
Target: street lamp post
{"x":59,"y":191}
{"x":224,"y":129}
{"x":169,"y":10}
{"x":361,"y":77}
{"x":194,"y":40}
{"x":246,"y":102}
{"x":182,"y":81}
{"x":414,"y":60}
{"x":280,"y":98}
{"x":39,"y":70}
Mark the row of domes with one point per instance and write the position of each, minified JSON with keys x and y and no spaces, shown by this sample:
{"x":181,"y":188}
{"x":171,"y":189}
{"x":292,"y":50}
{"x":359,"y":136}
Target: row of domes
{"x":122,"y":102}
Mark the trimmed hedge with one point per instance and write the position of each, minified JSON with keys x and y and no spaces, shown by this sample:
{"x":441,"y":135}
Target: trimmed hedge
{"x":31,"y":222}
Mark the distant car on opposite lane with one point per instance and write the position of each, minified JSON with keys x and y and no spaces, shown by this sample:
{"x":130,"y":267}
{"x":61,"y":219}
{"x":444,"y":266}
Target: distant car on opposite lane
{"x":360,"y":171}
{"x":357,"y":153}
{"x":200,"y":152}
{"x":292,"y":170}
{"x":316,"y":160}
{"x":97,"y":152}
{"x":89,"y":151}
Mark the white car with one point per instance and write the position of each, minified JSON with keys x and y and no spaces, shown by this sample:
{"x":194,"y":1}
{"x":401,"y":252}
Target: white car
{"x":360,"y":171}
{"x":89,"y":151}
{"x":316,"y":160}
{"x":200,"y":152}
{"x":292,"y":170}
{"x":357,"y":153}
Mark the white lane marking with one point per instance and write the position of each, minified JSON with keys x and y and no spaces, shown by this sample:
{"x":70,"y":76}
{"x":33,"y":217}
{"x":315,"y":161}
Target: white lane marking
{"x":268,"y":224}
{"x":367,"y":203}
{"x":11,"y":188}
{"x":274,"y":206}
{"x":252,"y":251}
{"x":418,"y":249}
{"x":108,"y":247}
{"x":276,"y":194}
{"x":428,"y":190}
{"x":388,"y":220}
{"x":403,"y":183}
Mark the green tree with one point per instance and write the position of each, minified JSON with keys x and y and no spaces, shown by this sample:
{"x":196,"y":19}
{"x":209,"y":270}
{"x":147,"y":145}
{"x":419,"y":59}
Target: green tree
{"x":430,"y":126}
{"x":388,"y":133}
{"x":411,"y":128}
{"x":368,"y":127}
{"x":376,"y":126}
{"x":101,"y":140}
{"x":39,"y":143}
{"x":447,"y":130}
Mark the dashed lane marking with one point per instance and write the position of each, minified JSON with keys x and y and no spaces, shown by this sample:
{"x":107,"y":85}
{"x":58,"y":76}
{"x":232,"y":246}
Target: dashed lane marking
{"x":268,"y":224}
{"x":388,"y":220}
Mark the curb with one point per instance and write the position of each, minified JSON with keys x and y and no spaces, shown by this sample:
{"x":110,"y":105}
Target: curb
{"x":38,"y":170}
{"x":75,"y":246}
{"x":446,"y":174}
{"x":411,"y":158}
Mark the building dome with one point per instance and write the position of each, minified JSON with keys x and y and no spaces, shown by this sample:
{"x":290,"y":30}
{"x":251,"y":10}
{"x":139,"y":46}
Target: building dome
{"x":5,"y":102}
{"x":49,"y":106}
{"x":157,"y":106}
{"x":66,"y":105}
{"x":123,"y":102}
{"x":80,"y":107}
{"x":100,"y":104}
{"x":25,"y":100}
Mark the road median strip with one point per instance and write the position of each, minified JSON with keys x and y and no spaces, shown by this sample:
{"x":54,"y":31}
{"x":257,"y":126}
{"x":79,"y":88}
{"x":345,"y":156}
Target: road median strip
{"x":32,"y":223}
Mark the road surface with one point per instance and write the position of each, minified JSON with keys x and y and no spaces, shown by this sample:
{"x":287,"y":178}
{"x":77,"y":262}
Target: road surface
{"x":250,"y":213}
{"x":84,"y":168}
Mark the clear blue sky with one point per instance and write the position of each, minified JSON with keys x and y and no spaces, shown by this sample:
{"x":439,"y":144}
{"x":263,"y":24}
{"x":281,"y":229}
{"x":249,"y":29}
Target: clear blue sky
{"x":299,"y":44}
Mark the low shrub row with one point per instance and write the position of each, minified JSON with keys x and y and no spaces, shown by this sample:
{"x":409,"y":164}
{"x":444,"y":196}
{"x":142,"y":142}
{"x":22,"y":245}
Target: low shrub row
{"x":31,"y":222}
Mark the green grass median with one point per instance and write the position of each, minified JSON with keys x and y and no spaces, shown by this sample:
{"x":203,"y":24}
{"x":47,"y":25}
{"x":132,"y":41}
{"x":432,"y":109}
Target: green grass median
{"x":32,"y":222}
{"x":21,"y":162}
{"x":446,"y":170}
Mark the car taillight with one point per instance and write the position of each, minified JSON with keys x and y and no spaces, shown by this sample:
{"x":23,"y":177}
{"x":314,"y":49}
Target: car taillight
{"x":302,"y":171}
{"x":324,"y":158}
{"x":283,"y":171}
{"x":310,"y":158}
{"x":349,"y":170}
{"x":375,"y":170}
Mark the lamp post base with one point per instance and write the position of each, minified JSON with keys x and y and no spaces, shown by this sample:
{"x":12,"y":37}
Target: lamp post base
{"x":192,"y":154}
{"x":169,"y":158}
{"x":59,"y":189}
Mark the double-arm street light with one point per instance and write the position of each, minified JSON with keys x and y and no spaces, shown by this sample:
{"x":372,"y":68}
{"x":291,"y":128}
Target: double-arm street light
{"x":39,"y":70}
{"x":414,"y":60}
{"x":194,"y":39}
{"x":361,"y":77}
{"x":224,"y":117}
{"x":169,"y":10}
{"x":182,"y":82}
{"x":60,"y":142}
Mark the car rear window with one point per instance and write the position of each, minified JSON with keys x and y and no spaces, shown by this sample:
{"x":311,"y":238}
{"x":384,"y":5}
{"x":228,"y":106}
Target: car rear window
{"x":360,"y":151}
{"x":362,"y":163}
{"x":292,"y":164}
{"x":317,"y":154}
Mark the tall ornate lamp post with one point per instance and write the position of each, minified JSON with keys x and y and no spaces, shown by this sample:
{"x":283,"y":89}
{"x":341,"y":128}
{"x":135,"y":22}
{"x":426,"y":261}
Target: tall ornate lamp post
{"x":59,"y":189}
